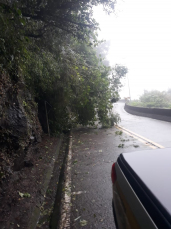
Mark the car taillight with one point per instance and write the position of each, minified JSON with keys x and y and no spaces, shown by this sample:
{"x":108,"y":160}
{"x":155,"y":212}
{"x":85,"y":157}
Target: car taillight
{"x":113,"y":173}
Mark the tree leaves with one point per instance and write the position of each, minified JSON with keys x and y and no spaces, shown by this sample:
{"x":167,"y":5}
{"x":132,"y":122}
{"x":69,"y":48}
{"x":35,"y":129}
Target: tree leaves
{"x":52,"y":46}
{"x":153,"y":99}
{"x":24,"y":194}
{"x":83,"y":223}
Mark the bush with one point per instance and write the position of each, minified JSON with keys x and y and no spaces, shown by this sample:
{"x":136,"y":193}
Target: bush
{"x":111,"y":120}
{"x":153,"y":99}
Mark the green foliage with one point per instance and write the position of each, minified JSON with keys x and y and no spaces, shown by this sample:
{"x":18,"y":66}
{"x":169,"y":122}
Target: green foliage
{"x":52,"y":46}
{"x":24,"y":194}
{"x":153,"y":99}
{"x":118,"y":72}
{"x":118,"y":132}
{"x":121,"y":145}
{"x":136,"y":103}
{"x":110,"y":120}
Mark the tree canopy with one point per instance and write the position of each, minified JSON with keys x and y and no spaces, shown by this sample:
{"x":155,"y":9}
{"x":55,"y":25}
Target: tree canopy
{"x":153,"y":99}
{"x":52,"y":46}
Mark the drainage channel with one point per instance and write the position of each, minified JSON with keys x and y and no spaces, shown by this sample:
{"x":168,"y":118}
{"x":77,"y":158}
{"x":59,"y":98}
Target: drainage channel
{"x":146,"y":141}
{"x":57,"y":210}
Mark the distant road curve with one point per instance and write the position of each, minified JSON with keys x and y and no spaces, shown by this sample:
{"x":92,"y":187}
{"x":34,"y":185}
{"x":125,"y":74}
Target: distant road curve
{"x":155,"y":130}
{"x":155,"y":113}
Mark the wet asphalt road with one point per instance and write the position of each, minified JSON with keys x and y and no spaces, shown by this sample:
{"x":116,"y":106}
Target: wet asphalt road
{"x":155,"y":130}
{"x":94,"y":151}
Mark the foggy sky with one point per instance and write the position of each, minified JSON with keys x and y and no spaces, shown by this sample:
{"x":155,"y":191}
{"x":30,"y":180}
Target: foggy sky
{"x":140,"y":36}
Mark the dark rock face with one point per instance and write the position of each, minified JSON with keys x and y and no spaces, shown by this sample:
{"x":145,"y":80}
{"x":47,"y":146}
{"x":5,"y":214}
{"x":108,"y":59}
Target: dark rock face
{"x":16,"y":120}
{"x":19,"y":124}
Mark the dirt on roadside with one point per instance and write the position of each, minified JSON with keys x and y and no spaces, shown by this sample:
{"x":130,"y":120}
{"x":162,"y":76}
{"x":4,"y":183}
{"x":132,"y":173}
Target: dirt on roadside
{"x":23,"y":190}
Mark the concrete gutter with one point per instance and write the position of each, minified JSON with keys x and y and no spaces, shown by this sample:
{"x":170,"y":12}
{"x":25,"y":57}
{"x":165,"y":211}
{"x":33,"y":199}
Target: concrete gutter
{"x":60,"y":218}
{"x":36,"y":210}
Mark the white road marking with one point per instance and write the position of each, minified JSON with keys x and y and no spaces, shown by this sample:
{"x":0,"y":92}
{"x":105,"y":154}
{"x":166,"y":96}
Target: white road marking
{"x":146,"y":141}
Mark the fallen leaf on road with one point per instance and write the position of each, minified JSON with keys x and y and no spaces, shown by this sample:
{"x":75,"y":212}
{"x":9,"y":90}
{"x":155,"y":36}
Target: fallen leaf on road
{"x":21,"y":194}
{"x":118,"y":132}
{"x":121,"y":145}
{"x":83,"y":223}
{"x":136,"y":146}
{"x":24,"y":194}
{"x":27,"y":194}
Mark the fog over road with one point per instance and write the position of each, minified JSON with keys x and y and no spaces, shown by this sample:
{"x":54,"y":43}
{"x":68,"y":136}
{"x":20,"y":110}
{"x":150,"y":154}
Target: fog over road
{"x":155,"y":130}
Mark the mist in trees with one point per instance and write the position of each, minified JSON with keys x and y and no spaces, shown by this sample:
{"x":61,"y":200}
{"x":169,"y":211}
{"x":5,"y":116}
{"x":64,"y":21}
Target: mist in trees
{"x":154,"y":99}
{"x":53,"y":47}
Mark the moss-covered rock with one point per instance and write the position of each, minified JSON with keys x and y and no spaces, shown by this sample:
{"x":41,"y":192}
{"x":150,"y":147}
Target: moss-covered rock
{"x":19,"y":124}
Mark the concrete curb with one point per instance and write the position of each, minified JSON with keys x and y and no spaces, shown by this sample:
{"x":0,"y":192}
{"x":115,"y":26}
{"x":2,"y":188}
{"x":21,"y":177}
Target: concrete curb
{"x":64,"y":222}
{"x":36,"y":210}
{"x":61,"y":209}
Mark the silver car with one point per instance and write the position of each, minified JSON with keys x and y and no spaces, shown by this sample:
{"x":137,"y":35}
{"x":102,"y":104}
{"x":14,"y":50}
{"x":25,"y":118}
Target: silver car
{"x":142,"y":189}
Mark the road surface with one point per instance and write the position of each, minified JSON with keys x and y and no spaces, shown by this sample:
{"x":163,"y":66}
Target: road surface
{"x":155,"y":130}
{"x":93,"y":153}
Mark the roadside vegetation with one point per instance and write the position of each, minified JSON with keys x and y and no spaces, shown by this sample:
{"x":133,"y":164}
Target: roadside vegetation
{"x":153,"y":99}
{"x":52,"y":47}
{"x":53,"y":75}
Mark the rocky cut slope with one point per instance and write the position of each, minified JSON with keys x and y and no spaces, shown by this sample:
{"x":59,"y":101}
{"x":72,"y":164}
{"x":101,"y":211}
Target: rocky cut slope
{"x":19,"y":126}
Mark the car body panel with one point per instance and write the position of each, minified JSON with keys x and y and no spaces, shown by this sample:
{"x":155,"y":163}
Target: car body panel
{"x":142,"y":189}
{"x":153,"y":167}
{"x":133,"y":210}
{"x":124,"y":217}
